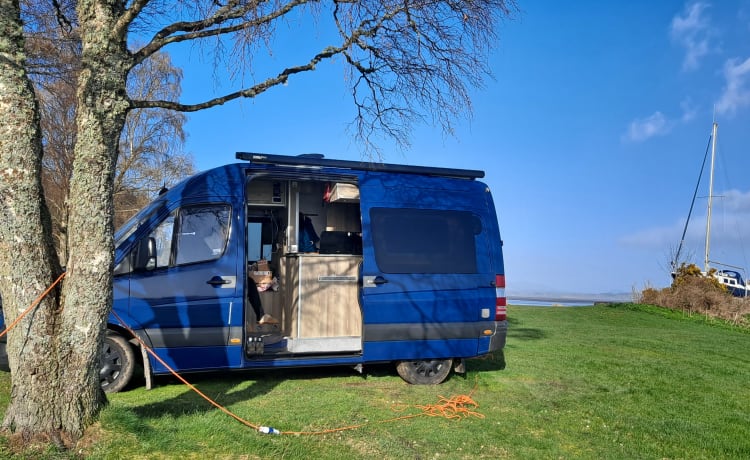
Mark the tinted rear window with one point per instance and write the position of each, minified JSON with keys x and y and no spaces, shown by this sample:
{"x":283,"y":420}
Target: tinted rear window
{"x":424,"y":240}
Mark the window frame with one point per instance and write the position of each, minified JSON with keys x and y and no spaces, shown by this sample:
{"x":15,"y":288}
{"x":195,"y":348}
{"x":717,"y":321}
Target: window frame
{"x":395,"y":229}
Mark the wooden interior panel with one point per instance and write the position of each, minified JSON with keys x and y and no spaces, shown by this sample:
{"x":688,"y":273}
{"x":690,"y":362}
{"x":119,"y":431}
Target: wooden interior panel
{"x":326,"y":303}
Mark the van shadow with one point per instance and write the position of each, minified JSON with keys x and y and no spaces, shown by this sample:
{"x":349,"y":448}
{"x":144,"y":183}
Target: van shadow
{"x":226,"y":389}
{"x":494,"y":361}
{"x":524,"y":333}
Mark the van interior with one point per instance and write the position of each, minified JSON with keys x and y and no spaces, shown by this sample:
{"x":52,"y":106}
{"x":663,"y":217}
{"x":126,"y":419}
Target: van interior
{"x":303,"y":260}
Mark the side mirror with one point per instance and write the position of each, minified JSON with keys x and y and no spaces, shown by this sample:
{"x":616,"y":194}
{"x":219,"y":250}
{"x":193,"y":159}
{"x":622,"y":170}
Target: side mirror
{"x":144,"y":255}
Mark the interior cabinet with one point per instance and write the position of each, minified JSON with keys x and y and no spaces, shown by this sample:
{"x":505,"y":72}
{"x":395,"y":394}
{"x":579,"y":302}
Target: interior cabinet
{"x":323,"y":291}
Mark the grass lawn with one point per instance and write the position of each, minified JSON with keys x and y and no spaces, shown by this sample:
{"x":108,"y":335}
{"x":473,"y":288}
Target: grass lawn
{"x":584,"y":382}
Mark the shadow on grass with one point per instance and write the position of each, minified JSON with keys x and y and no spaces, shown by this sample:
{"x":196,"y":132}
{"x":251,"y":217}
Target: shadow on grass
{"x":523,"y":333}
{"x":494,"y":361}
{"x":526,"y":333}
{"x":218,"y":387}
{"x":228,"y":388}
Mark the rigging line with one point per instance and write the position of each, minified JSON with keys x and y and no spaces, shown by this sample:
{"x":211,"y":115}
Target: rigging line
{"x":692,"y":203}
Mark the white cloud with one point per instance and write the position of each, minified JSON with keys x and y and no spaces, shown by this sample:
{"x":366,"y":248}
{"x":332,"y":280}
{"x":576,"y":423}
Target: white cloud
{"x":645,"y":128}
{"x":736,"y":202}
{"x":736,"y":94}
{"x":688,"y":111}
{"x":691,"y":30}
{"x":642,"y":129}
{"x":730,"y":228}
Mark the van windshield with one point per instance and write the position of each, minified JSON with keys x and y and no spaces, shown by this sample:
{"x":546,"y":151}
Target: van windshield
{"x":135,"y":222}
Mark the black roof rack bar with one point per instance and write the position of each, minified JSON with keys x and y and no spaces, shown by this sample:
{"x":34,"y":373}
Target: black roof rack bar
{"x":318,"y":160}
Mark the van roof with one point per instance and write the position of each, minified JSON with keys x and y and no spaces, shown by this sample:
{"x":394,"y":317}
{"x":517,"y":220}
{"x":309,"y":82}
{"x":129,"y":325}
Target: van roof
{"x":314,"y":159}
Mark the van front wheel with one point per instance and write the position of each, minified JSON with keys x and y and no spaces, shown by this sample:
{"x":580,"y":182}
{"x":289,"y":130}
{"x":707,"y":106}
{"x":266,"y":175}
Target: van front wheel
{"x":116,"y":363}
{"x":424,"y":371}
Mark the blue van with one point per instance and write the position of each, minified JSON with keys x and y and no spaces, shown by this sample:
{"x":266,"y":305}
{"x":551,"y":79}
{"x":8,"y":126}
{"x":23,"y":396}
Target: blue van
{"x":286,"y":261}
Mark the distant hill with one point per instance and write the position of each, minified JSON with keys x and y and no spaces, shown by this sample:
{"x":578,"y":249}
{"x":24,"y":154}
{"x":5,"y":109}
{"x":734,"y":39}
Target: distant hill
{"x":567,"y":297}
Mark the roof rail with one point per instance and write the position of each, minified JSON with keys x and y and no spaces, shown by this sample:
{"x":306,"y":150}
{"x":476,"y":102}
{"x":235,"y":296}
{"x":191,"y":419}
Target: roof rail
{"x":318,"y":160}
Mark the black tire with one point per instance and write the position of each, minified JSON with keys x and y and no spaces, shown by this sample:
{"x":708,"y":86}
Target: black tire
{"x":116,"y":364}
{"x":425,"y":371}
{"x":4,"y":364}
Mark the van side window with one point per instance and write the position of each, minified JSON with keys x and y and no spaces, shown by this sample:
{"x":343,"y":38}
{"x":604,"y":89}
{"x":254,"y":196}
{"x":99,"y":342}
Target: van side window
{"x":424,"y":240}
{"x":201,"y":233}
{"x":162,"y":235}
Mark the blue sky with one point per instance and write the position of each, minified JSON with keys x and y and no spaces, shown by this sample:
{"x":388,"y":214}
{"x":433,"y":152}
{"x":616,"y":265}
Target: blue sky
{"x":591,"y":134}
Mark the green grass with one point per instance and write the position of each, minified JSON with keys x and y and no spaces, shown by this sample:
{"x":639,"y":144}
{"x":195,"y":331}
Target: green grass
{"x":586,"y":382}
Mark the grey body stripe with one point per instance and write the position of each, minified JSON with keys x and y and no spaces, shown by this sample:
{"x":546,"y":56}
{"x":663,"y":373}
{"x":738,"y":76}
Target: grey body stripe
{"x":427,"y":331}
{"x":192,"y":337}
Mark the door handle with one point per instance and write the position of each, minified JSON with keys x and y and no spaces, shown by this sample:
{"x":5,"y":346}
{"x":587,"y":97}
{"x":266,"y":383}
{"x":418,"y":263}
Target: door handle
{"x":217,"y":281}
{"x":372,"y":281}
{"x":379,"y":280}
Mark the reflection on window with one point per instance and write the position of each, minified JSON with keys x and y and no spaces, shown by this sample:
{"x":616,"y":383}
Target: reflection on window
{"x":424,"y":240}
{"x":202,"y":233}
{"x":162,"y":235}
{"x":135,"y":222}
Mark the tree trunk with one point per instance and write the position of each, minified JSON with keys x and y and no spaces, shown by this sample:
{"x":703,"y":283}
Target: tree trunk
{"x":25,"y":234}
{"x":56,"y":391}
{"x":87,"y":292}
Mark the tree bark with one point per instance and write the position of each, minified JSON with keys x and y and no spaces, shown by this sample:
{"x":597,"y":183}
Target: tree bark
{"x":87,"y":293}
{"x":25,"y":236}
{"x":49,"y":399}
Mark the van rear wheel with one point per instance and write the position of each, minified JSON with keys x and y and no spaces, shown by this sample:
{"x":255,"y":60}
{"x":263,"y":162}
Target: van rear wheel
{"x":116,"y":363}
{"x":424,"y":371}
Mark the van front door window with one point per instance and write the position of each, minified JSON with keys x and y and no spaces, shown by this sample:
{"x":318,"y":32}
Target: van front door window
{"x":202,"y":233}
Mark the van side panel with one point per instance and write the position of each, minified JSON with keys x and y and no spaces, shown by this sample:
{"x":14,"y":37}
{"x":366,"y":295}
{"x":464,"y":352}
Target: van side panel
{"x":428,"y":291}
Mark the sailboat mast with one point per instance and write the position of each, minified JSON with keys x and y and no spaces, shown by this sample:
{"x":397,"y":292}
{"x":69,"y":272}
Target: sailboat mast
{"x":710,"y":194}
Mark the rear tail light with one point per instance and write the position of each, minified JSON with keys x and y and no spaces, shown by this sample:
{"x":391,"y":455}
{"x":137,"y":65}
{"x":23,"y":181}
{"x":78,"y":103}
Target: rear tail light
{"x":501,"y":312}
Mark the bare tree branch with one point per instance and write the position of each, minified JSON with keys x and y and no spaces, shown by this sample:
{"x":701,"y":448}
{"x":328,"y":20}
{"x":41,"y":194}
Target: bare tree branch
{"x":405,"y":58}
{"x":251,"y":92}
{"x":194,"y":30}
{"x":130,"y":15}
{"x":60,"y":14}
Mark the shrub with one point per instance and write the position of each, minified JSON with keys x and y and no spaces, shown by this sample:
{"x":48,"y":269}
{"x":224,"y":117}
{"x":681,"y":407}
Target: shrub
{"x":694,"y":292}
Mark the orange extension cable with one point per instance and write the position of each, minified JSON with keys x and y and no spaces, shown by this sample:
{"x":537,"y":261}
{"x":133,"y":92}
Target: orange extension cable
{"x":33,"y":304}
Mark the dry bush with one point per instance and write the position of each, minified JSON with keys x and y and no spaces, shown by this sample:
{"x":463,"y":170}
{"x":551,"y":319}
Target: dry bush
{"x":693,"y":292}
